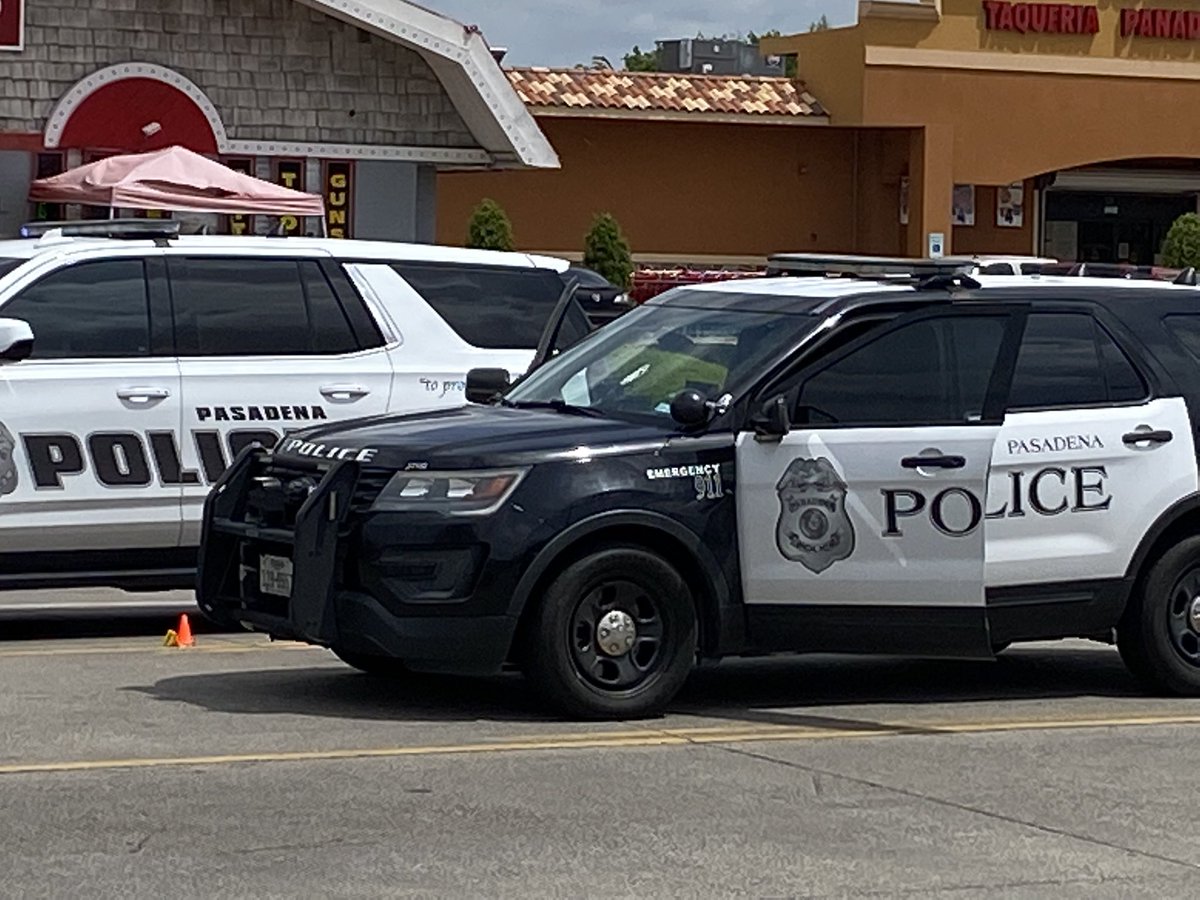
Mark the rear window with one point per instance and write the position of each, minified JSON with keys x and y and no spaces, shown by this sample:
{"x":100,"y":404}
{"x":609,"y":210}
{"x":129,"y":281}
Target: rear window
{"x":494,"y":307}
{"x":1186,"y":330}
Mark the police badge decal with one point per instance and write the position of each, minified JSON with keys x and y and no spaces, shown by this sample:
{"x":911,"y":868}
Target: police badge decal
{"x":813,"y":528}
{"x":8,"y":462}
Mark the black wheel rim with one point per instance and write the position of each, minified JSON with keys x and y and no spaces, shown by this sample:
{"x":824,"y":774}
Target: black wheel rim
{"x":1185,"y":637}
{"x":641,"y":662}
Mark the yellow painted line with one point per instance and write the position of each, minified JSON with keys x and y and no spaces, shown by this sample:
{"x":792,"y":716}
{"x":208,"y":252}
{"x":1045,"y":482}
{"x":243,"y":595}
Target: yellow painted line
{"x":158,"y":649}
{"x":599,"y":740}
{"x":1052,"y":724}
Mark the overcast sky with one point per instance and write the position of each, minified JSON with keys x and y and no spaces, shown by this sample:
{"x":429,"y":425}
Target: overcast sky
{"x":567,"y":32}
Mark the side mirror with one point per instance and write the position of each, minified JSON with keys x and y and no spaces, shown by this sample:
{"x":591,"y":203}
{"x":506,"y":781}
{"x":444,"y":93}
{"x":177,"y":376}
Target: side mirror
{"x":16,"y":340}
{"x":485,"y":386}
{"x":690,"y":407}
{"x":773,"y":422}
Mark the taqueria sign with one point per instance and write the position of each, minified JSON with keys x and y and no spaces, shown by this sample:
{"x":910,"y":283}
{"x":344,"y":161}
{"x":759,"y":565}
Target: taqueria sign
{"x":1071,"y":18}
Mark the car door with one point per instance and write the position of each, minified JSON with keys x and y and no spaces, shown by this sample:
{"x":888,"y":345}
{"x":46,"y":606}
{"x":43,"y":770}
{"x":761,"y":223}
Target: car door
{"x":871,"y":507}
{"x":91,"y":420}
{"x":1088,"y":458}
{"x":267,"y":345}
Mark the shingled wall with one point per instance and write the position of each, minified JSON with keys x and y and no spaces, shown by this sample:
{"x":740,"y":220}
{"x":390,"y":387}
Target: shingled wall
{"x":275,"y":69}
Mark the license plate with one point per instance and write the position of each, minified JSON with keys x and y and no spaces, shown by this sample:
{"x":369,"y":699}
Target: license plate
{"x":275,"y":575}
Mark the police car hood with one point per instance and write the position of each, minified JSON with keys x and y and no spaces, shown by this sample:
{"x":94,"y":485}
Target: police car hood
{"x":468,"y":437}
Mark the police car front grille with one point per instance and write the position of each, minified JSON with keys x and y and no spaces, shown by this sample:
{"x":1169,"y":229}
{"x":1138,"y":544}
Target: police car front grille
{"x":370,"y":483}
{"x":281,"y":489}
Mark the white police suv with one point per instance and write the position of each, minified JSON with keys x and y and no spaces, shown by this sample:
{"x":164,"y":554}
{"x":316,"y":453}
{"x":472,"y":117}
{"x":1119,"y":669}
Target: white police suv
{"x":135,"y":364}
{"x":932,"y":466}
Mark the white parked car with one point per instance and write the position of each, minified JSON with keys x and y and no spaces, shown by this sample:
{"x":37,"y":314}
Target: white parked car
{"x":1010,"y":265}
{"x":155,"y":359}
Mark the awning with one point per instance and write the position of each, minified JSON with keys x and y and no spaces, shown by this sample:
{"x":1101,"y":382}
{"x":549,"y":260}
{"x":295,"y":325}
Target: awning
{"x":173,"y":179}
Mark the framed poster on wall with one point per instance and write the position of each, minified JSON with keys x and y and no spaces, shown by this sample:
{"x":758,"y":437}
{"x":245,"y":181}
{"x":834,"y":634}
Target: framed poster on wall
{"x":1010,"y":206}
{"x":964,"y":205}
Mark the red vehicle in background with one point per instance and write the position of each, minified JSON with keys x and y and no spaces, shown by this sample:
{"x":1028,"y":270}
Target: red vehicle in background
{"x":650,"y":282}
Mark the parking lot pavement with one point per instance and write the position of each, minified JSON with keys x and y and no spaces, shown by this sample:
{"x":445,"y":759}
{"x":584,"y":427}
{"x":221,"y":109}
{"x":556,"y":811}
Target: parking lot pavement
{"x":244,"y":768}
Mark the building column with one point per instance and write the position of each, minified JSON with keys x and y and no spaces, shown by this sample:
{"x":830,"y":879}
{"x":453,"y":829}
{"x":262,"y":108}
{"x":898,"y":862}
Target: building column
{"x":931,"y":187}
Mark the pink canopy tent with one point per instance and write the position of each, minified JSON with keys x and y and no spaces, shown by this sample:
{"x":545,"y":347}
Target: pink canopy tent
{"x":173,"y":179}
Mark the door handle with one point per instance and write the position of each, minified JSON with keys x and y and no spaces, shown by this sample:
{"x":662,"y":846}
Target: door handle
{"x":1153,"y":437}
{"x":933,"y":462}
{"x":347,"y":391}
{"x":143,"y":394}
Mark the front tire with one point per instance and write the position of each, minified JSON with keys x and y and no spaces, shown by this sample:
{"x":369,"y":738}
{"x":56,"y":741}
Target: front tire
{"x":1159,"y":635}
{"x":614,"y":636}
{"x":378,"y":666}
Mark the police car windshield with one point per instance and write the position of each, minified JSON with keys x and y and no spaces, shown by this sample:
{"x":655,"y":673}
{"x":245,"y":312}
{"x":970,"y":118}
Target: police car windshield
{"x":7,"y":265}
{"x":635,"y":366}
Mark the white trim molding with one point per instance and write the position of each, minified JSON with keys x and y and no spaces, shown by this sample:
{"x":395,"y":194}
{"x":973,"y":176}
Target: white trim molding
{"x":450,"y":156}
{"x":992,"y":61}
{"x":462,"y":60}
{"x":85,"y":87}
{"x":926,"y":10}
{"x":73,"y":99}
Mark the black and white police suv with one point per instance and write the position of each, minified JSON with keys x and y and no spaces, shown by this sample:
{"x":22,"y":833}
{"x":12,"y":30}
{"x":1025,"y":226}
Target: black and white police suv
{"x":930,"y":465}
{"x":135,"y":363}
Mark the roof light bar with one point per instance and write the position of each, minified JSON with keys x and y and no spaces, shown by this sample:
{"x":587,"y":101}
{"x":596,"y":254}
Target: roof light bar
{"x":866,"y":266}
{"x":104,"y":228}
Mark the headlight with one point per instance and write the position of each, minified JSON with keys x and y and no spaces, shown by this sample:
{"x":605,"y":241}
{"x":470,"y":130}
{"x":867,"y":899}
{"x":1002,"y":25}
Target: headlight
{"x":476,"y":493}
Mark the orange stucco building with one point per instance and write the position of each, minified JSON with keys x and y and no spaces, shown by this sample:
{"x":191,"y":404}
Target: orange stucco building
{"x":1062,"y":128}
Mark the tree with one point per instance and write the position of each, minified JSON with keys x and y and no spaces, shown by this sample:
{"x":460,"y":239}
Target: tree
{"x":489,"y":228}
{"x":822,"y":24}
{"x":638,"y":60}
{"x":1181,"y":249}
{"x":606,"y":251}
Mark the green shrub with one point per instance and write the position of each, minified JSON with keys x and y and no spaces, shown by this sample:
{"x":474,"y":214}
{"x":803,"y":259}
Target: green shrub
{"x":489,"y":228}
{"x":1181,"y":249}
{"x":606,"y":251}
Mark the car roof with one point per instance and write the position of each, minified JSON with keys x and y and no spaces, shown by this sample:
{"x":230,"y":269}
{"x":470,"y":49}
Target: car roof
{"x":808,"y":295}
{"x":363,"y":250}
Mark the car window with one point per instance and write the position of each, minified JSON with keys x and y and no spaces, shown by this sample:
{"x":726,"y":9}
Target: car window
{"x":1067,"y":359}
{"x":256,"y":307}
{"x":86,"y":311}
{"x":586,"y":278}
{"x":7,"y":265}
{"x":634,"y":367}
{"x":1186,"y":330}
{"x":495,"y":307}
{"x":996,"y":268}
{"x":932,"y":371}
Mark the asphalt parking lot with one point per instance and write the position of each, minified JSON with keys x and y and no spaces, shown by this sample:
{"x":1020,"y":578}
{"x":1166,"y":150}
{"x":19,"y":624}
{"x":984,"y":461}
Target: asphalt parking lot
{"x":244,"y":768}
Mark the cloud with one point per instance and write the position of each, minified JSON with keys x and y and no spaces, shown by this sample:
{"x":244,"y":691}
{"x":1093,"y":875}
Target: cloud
{"x":569,"y":32}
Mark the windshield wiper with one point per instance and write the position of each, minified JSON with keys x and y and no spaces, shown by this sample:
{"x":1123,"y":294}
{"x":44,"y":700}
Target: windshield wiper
{"x":560,"y":406}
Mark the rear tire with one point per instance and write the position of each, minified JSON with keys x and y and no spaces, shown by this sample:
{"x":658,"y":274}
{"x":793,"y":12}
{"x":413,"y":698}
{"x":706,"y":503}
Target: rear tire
{"x":1159,"y":635}
{"x":378,"y":666}
{"x":613,"y":637}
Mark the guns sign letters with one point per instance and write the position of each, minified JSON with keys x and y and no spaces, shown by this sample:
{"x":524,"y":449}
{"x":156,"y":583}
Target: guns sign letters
{"x":338,"y":182}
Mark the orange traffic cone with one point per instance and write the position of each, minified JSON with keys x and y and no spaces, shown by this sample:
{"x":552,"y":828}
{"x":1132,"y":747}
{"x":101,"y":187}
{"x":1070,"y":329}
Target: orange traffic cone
{"x":181,"y":636}
{"x":184,"y":637}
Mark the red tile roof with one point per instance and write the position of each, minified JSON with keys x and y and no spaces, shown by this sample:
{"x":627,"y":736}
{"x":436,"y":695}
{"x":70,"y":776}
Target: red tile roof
{"x":633,"y":92}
